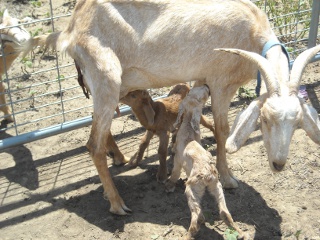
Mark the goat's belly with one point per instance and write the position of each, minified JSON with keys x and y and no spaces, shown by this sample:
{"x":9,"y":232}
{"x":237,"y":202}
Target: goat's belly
{"x":138,"y":78}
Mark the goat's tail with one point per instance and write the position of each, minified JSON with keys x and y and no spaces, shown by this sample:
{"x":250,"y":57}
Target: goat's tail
{"x":48,"y":41}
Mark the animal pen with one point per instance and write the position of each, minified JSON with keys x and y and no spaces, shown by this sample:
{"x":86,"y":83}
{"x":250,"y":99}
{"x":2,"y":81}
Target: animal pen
{"x":34,"y":86}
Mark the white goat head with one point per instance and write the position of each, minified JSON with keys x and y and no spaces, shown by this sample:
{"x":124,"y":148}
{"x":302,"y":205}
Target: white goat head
{"x":193,"y":104}
{"x":13,"y":36}
{"x":280,"y":109}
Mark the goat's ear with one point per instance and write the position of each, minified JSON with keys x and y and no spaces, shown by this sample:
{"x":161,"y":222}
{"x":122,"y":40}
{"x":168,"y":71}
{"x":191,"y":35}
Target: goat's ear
{"x":6,"y":14}
{"x":195,"y":121}
{"x":149,"y":112}
{"x":311,"y":123}
{"x":179,"y":117}
{"x":244,"y":125}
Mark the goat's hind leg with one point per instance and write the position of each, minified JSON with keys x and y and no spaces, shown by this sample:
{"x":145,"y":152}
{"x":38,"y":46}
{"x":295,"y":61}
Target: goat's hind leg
{"x":115,"y":153}
{"x":215,"y":189}
{"x":163,"y":153}
{"x":96,"y":146}
{"x":170,"y":185}
{"x":194,"y":191}
{"x":137,"y":157}
{"x":3,"y":107}
{"x":104,"y":84}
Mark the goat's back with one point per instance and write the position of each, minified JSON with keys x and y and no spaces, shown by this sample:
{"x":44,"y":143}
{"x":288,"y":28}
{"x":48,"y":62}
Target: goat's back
{"x":184,"y":33}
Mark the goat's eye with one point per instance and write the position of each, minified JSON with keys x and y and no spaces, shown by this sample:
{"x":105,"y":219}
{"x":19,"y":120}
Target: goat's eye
{"x":133,"y":96}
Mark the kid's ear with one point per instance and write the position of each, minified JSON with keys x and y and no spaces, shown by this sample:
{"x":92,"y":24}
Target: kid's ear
{"x":149,"y":112}
{"x":195,"y":121}
{"x":179,"y":117}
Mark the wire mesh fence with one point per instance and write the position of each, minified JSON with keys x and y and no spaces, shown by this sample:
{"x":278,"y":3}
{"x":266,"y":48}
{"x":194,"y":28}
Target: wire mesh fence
{"x":42,"y":90}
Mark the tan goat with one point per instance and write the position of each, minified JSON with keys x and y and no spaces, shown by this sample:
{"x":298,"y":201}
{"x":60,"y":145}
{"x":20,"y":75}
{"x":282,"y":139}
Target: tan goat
{"x":121,"y":46}
{"x":158,"y":118}
{"x":11,"y":38}
{"x":198,"y":163}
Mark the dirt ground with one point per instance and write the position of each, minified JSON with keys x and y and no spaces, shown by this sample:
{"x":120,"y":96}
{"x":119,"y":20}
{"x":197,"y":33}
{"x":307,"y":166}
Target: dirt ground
{"x":49,"y":189}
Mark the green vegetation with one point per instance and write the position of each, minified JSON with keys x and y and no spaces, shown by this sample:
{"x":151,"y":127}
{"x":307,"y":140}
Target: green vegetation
{"x":290,"y":19}
{"x":231,"y":234}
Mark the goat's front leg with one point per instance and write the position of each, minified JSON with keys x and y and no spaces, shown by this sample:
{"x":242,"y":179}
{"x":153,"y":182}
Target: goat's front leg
{"x":145,"y":140}
{"x":114,"y":152}
{"x":163,"y":152}
{"x":220,"y":106}
{"x":175,"y":174}
{"x":3,"y":107}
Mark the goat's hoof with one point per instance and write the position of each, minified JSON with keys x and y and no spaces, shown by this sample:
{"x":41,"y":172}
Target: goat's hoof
{"x":201,"y":219}
{"x":121,"y":162}
{"x":120,"y":210}
{"x":170,"y":186}
{"x":9,"y":119}
{"x":187,"y":236}
{"x":134,"y":161}
{"x":161,"y":178}
{"x":229,"y":183}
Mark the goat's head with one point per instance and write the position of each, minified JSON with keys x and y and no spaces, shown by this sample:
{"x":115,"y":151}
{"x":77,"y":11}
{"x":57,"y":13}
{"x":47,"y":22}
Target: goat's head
{"x":140,"y":100}
{"x":192,"y":104}
{"x":12,"y":36}
{"x":281,"y":111}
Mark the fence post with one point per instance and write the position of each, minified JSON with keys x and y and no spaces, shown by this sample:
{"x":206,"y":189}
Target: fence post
{"x":313,"y":33}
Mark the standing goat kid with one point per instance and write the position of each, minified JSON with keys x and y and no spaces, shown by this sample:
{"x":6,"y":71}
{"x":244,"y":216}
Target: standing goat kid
{"x":196,"y":161}
{"x":121,"y":46}
{"x":158,"y":118}
{"x":11,"y":38}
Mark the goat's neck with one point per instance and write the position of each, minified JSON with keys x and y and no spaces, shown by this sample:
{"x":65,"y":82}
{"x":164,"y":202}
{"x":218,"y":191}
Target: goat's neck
{"x":187,"y":132}
{"x":279,"y":62}
{"x":9,"y":56}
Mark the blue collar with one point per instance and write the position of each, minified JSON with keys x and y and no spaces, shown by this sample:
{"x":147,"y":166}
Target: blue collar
{"x":266,"y":48}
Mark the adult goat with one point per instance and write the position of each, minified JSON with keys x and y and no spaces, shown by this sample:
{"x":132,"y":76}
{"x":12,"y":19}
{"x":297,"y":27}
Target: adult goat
{"x":122,"y":46}
{"x":12,"y":36}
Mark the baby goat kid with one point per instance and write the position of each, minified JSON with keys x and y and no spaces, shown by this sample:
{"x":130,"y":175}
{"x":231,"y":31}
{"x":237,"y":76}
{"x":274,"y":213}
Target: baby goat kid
{"x":158,"y":118}
{"x":196,"y":161}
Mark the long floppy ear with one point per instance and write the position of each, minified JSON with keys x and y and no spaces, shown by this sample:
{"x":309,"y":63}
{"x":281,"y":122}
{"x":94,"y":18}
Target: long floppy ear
{"x":149,"y":112}
{"x":6,"y":14}
{"x":195,"y":121}
{"x":179,"y":117}
{"x":311,"y":123}
{"x":244,"y":125}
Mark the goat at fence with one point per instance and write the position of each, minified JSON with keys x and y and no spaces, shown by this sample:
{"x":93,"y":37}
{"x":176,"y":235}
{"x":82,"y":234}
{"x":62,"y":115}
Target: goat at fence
{"x":158,"y":118}
{"x":11,"y":38}
{"x":196,"y":161}
{"x":122,"y":46}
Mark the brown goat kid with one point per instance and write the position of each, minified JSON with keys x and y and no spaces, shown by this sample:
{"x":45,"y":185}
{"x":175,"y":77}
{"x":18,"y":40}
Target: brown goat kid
{"x":158,"y":118}
{"x":196,"y":161}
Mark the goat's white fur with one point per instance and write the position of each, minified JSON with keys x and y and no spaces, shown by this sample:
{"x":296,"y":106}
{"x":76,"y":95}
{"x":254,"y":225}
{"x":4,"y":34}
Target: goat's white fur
{"x":123,"y":46}
{"x":11,"y":38}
